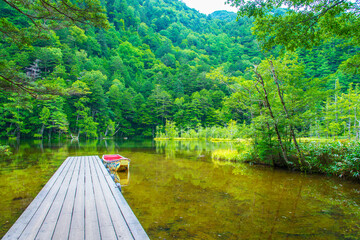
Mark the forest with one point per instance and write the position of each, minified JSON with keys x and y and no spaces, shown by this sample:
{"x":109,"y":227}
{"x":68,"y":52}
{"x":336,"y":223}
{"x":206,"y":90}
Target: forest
{"x":159,"y":68}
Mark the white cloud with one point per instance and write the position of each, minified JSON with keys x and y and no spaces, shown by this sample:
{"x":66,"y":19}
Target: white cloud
{"x":209,"y":6}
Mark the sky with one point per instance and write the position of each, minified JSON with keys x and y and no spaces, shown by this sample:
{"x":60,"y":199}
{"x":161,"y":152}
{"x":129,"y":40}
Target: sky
{"x":209,"y":6}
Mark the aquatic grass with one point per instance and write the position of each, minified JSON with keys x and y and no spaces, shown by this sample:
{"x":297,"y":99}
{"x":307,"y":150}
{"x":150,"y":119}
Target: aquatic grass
{"x":222,"y":140}
{"x":240,"y":154}
{"x":319,"y":140}
{"x":225,"y":154}
{"x":228,"y":140}
{"x":161,"y":138}
{"x":196,"y":138}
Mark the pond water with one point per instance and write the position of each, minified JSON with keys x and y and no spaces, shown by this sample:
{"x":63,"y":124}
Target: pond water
{"x":178,"y":191}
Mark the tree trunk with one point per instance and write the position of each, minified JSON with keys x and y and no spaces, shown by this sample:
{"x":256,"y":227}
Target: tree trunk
{"x":42,"y":131}
{"x":106,"y":131}
{"x":292,"y":132}
{"x":18,"y":133}
{"x":355,"y":129}
{"x":326,"y":121}
{"x":116,"y":130}
{"x":349,"y":126}
{"x":272,"y":157}
{"x":318,"y":129}
{"x":336,"y":109}
{"x":267,"y":105}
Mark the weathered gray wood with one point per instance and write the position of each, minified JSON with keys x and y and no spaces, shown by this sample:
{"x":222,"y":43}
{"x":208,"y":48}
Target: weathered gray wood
{"x":120,"y":225}
{"x":92,"y":230}
{"x":15,"y":231}
{"x":80,"y":201}
{"x":133,"y":223}
{"x":107,"y":230}
{"x":62,"y":227}
{"x":78,"y":220}
{"x":47,"y":228}
{"x":34,"y":224}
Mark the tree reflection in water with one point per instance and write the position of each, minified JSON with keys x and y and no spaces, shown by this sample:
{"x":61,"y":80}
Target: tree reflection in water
{"x":178,"y":190}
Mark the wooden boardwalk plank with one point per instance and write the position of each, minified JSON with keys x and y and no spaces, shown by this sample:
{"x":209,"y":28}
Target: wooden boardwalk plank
{"x":39,"y":216}
{"x":62,"y":227}
{"x":80,"y":201}
{"x":16,"y":230}
{"x":78,"y":215}
{"x":47,"y":229}
{"x":132,"y":222}
{"x":92,"y":230}
{"x":107,"y":230}
{"x":120,"y":225}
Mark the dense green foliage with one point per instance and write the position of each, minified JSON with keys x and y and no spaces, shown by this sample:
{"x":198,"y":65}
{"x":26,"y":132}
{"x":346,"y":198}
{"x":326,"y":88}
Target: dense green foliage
{"x":278,"y":103}
{"x":230,"y":132}
{"x":337,"y":158}
{"x":150,"y":66}
{"x":153,"y":64}
{"x":23,"y":23}
{"x":305,"y":23}
{"x":302,"y":22}
{"x":160,"y":61}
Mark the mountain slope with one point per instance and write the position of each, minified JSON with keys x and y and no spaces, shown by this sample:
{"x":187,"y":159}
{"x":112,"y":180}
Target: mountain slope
{"x":151,"y":66}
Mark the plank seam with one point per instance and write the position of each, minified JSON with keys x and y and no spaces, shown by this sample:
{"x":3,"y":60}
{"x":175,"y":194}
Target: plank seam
{"x":76,"y":192}
{"x":62,"y":205}
{"x":103,"y":169}
{"x":96,"y":206}
{"x":106,"y":202}
{"x":63,"y":171}
{"x":57,"y":192}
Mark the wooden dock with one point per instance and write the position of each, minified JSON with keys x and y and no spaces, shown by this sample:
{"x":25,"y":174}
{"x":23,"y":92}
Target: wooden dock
{"x":80,"y":201}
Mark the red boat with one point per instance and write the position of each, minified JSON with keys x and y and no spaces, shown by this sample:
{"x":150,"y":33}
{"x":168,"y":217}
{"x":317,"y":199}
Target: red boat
{"x":116,"y":162}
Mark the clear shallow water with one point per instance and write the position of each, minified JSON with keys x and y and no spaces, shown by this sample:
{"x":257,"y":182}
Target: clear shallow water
{"x":178,"y":191}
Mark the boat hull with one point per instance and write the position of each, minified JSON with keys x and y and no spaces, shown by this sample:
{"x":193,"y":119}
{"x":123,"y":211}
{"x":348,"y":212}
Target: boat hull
{"x":117,"y":165}
{"x":121,"y":165}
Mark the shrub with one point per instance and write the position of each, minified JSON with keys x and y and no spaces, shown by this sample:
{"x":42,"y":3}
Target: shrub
{"x":336,"y":158}
{"x":5,"y":150}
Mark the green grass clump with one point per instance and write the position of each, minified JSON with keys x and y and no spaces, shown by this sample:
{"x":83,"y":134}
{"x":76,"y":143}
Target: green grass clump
{"x":225,"y":154}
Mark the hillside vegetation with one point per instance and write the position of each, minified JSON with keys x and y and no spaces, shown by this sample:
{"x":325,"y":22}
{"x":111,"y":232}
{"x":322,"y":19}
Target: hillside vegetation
{"x":129,"y":67}
{"x":152,"y":64}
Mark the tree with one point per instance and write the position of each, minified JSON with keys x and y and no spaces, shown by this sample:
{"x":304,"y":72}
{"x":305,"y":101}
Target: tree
{"x":277,"y":101}
{"x":30,"y":21}
{"x":44,"y":117}
{"x":303,"y":23}
{"x":44,"y":16}
{"x":170,"y":130}
{"x":160,"y":101}
{"x":85,"y":124}
{"x":49,"y":57}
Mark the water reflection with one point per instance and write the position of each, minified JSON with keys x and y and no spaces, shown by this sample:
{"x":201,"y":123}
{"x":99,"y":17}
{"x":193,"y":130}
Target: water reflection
{"x":178,"y":191}
{"x":122,"y":177}
{"x":189,"y":195}
{"x":194,"y":148}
